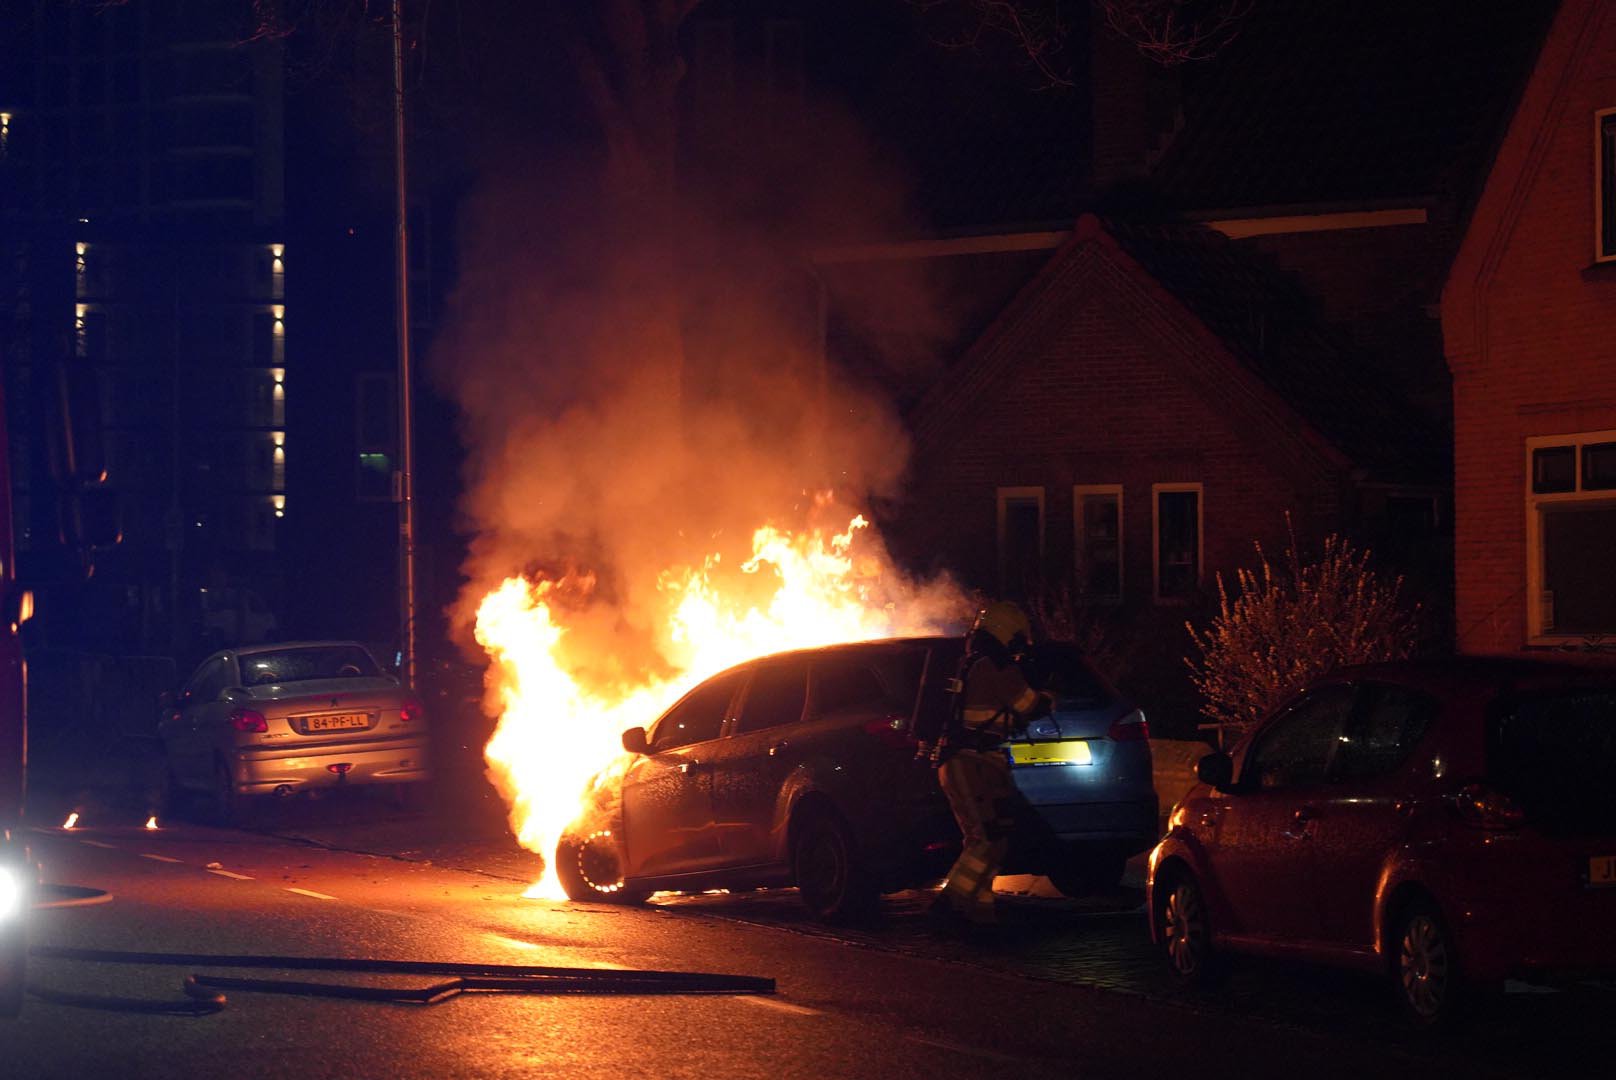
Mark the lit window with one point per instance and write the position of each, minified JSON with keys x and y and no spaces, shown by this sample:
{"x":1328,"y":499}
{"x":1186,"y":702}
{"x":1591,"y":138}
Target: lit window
{"x":1571,"y":531}
{"x":1097,"y":525}
{"x":1605,"y":185}
{"x":1021,"y":540}
{"x":1177,"y":526}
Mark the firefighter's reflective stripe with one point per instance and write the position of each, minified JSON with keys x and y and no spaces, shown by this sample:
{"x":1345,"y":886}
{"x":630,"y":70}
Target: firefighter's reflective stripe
{"x":979,"y":787}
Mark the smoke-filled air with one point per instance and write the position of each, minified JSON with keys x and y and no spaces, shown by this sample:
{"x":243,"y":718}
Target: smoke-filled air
{"x":665,"y":476}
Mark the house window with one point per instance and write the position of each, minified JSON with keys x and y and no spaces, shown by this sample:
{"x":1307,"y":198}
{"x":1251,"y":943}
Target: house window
{"x":1097,"y":525}
{"x":1178,"y":540}
{"x":1605,"y":185}
{"x":1021,"y":539}
{"x":1571,"y":535}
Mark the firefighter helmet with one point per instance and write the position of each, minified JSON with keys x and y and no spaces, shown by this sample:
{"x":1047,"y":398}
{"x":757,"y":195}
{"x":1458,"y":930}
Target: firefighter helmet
{"x":1004,"y":621}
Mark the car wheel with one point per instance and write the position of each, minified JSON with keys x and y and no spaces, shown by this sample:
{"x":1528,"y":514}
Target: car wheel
{"x":1084,"y":874}
{"x":230,"y":808}
{"x":1184,"y":928}
{"x":591,"y":868}
{"x":830,"y":879}
{"x":1425,"y":967}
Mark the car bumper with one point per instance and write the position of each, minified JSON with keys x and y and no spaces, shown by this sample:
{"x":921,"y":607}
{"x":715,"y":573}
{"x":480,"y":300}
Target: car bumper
{"x":258,"y":772}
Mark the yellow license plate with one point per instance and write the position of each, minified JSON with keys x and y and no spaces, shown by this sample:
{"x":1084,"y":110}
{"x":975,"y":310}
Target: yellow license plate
{"x":1602,"y":870}
{"x":1075,"y":752}
{"x":337,"y":722}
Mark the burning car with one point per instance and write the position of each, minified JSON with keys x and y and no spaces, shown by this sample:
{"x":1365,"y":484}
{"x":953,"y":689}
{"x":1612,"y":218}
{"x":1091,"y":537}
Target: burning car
{"x":800,"y":769}
{"x":281,"y":719}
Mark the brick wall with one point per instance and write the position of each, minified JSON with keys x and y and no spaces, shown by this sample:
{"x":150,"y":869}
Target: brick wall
{"x":1109,"y":400}
{"x":1530,"y":323}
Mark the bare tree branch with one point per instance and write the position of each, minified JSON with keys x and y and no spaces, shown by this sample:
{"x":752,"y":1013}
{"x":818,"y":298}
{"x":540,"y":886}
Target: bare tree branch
{"x":1173,"y":32}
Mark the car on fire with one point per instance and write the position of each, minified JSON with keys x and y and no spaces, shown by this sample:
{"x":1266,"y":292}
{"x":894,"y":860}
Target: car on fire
{"x":1447,"y":824}
{"x":289,"y":718}
{"x":800,"y":769}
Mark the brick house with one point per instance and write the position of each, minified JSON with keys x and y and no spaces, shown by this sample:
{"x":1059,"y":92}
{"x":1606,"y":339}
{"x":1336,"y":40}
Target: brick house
{"x":1527,"y":315}
{"x":1149,"y":405}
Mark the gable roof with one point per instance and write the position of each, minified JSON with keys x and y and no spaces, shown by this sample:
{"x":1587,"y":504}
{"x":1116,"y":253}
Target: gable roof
{"x":1502,"y":197}
{"x":1319,"y":102}
{"x":1240,"y":315}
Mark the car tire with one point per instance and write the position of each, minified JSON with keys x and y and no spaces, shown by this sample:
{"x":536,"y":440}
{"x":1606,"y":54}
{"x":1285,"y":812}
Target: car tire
{"x":591,"y":868}
{"x":830,"y":877}
{"x":1426,"y":976}
{"x":230,"y":807}
{"x":1087,"y":873}
{"x":1184,"y":929}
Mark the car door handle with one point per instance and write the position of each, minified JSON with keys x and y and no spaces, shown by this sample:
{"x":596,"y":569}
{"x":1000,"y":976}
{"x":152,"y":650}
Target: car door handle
{"x":779,"y":746}
{"x":689,"y":766}
{"x":1299,"y":820}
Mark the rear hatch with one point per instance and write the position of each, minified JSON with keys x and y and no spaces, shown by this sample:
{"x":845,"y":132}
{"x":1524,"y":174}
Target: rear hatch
{"x":1092,"y":746}
{"x":331,"y":710}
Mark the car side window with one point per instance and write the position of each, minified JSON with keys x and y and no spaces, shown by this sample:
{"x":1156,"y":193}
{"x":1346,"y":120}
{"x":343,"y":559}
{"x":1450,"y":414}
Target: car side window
{"x":1384,"y":733}
{"x":1297,"y":749}
{"x":847,"y":684}
{"x":699,"y":717}
{"x":208,"y":682}
{"x":776,"y":696}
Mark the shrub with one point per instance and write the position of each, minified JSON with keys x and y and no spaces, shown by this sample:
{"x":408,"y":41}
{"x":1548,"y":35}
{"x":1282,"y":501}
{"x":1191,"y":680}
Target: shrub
{"x":1290,"y":625}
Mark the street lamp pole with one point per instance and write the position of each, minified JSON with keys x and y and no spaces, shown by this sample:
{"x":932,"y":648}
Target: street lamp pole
{"x":406,"y":430}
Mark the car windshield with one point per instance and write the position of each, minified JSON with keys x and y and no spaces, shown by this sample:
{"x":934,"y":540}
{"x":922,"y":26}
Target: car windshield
{"x":1556,"y":754}
{"x":306,"y":663}
{"x":1062,"y":670}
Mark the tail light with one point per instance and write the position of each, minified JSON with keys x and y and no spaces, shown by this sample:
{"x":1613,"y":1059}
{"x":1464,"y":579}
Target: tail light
{"x":411,"y":710}
{"x":892,"y":731}
{"x":1487,"y":808}
{"x":1130,"y":728}
{"x":248,"y":720}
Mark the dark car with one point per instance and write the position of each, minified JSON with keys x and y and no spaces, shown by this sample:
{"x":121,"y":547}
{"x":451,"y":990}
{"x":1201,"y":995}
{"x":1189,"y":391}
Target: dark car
{"x":1448,"y":824}
{"x":800,"y":769}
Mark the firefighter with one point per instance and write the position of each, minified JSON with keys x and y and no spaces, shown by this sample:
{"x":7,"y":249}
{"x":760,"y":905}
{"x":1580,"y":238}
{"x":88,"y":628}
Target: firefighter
{"x":993,"y":702}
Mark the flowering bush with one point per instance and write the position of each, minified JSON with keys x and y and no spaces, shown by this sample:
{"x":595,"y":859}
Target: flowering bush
{"x":1290,"y":625}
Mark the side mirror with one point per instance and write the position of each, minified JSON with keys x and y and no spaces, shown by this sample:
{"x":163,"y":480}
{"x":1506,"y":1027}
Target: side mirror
{"x":634,"y":741}
{"x":1216,"y":769}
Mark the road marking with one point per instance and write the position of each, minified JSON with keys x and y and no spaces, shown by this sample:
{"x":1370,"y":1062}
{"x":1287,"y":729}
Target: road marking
{"x":97,"y":843}
{"x":783,"y":1006}
{"x":157,"y":858}
{"x":310,"y":892}
{"x":513,"y":942}
{"x":228,"y":874}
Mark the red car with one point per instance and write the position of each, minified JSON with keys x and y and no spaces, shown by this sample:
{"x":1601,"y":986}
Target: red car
{"x":1449,"y":824}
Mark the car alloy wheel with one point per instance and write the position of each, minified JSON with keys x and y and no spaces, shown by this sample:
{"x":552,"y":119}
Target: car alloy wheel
{"x":591,"y":868}
{"x":829,"y":878}
{"x":1427,"y":973}
{"x":1186,"y":932}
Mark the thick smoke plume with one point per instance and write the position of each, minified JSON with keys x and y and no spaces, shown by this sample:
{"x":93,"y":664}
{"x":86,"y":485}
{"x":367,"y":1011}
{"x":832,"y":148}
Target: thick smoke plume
{"x":641,"y":379}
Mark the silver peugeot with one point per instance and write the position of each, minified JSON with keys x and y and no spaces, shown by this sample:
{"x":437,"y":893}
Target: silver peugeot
{"x":282,"y":719}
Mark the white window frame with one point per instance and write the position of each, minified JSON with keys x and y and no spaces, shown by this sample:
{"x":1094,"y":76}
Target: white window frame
{"x":1156,"y":492}
{"x":1535,"y":634}
{"x":1601,"y":118}
{"x":1005,"y":496}
{"x":1079,"y":550}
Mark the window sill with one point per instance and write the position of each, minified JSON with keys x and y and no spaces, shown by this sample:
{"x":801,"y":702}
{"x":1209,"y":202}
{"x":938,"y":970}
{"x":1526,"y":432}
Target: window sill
{"x":1600,"y":270}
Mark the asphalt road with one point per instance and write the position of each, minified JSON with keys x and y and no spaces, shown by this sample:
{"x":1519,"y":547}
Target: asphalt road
{"x":1070,"y":989}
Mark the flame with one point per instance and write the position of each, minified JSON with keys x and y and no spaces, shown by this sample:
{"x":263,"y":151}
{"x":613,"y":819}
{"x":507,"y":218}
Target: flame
{"x":562,"y":715}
